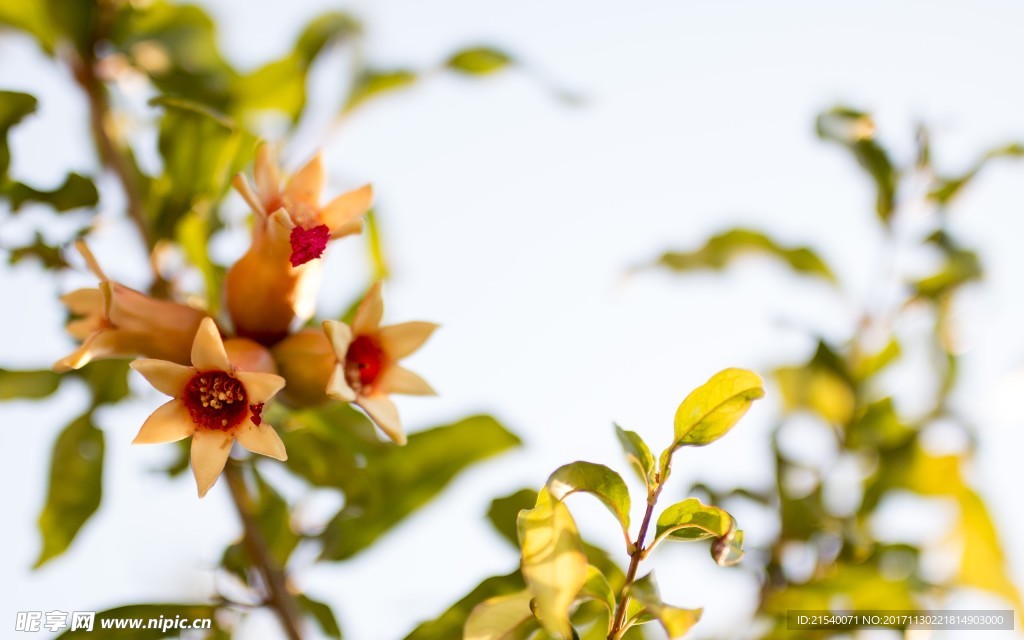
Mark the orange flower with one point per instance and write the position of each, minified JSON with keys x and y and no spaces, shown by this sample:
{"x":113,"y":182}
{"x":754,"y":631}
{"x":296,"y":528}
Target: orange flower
{"x":114,"y":321}
{"x":367,"y":371}
{"x":276,"y":280}
{"x":217,"y":400}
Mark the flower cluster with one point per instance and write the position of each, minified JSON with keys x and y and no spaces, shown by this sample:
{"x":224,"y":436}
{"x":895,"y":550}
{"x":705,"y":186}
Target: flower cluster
{"x":220,"y":373}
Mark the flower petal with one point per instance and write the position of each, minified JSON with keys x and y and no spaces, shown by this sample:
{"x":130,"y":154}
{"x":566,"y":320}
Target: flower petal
{"x":340,"y":336}
{"x":268,"y":178}
{"x":307,"y":183}
{"x":337,"y":386}
{"x":102,"y":344}
{"x":399,"y":380}
{"x":210,"y":449}
{"x":83,"y":302}
{"x":369,"y":312}
{"x":244,"y":189}
{"x":259,"y":387}
{"x":341,"y":212}
{"x":208,"y":348}
{"x":261,"y":439}
{"x":169,"y":423}
{"x":166,"y":377}
{"x":400,"y":340}
{"x":383,"y":412}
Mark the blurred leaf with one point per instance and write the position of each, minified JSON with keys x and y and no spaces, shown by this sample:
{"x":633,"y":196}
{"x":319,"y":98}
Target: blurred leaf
{"x":76,"y":192}
{"x":323,"y":615}
{"x":505,"y":617}
{"x":76,"y":20}
{"x":597,"y":588}
{"x":983,"y":563}
{"x":201,"y":151}
{"x":712,"y":409}
{"x":479,"y":61}
{"x":597,"y":480}
{"x":375,"y":83}
{"x":49,"y":257}
{"x":722,"y":250}
{"x":375,"y":247}
{"x":33,"y":19}
{"x":554,"y":564}
{"x":107,"y":379}
{"x":76,"y":485}
{"x":960,"y":267}
{"x":399,"y":480}
{"x":676,"y":622}
{"x":878,"y":427}
{"x":321,"y":450}
{"x":504,"y":512}
{"x":855,"y":130}
{"x":638,"y":454}
{"x":27,"y":384}
{"x":14,"y":106}
{"x":274,"y":517}
{"x":451,"y":623}
{"x":948,"y":188}
{"x":141,"y":612}
{"x":193,"y":234}
{"x":867,"y":365}
{"x":859,"y":587}
{"x":822,"y":385}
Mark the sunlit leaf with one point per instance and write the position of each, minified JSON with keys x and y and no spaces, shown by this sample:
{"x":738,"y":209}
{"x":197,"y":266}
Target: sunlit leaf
{"x":506,"y":617}
{"x":638,"y":454}
{"x":76,"y":485}
{"x":451,"y":623}
{"x":27,"y":384}
{"x":374,"y":83}
{"x":597,"y":588}
{"x":323,"y":615}
{"x":867,"y":365}
{"x":402,"y":479}
{"x":478,"y":61}
{"x":143,"y":612}
{"x":712,"y":409}
{"x":822,"y":385}
{"x":76,"y":192}
{"x":722,"y":250}
{"x":676,"y":622}
{"x":855,"y":130}
{"x":32,"y":18}
{"x":691,"y":520}
{"x":554,"y":564}
{"x":983,"y":563}
{"x":597,"y":480}
{"x":504,"y":512}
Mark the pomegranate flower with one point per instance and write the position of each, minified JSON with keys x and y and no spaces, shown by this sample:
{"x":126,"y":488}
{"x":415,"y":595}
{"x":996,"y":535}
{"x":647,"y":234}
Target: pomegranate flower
{"x":366,"y":368}
{"x":276,"y":280}
{"x":114,"y":321}
{"x":217,"y":400}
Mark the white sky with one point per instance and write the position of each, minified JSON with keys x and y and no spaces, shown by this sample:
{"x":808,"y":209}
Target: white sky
{"x":511,"y":218}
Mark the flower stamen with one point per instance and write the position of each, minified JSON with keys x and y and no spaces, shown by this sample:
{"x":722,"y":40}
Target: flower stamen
{"x":215,"y":400}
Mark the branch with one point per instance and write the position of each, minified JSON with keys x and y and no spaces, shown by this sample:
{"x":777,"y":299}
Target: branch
{"x":634,"y":563}
{"x":274,"y":578}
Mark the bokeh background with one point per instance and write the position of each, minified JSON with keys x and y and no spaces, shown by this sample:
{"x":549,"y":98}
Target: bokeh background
{"x":513,"y":212}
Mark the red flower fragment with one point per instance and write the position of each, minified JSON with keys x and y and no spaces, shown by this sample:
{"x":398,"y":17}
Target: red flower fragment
{"x":308,"y":244}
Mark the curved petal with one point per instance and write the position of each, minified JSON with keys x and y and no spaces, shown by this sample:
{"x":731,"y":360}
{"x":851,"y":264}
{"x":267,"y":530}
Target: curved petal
{"x":399,"y":380}
{"x":346,"y":208}
{"x":166,"y":377}
{"x":102,"y":344}
{"x":208,"y":348}
{"x":307,"y":183}
{"x":261,"y":439}
{"x":210,"y":449}
{"x":259,"y":386}
{"x":245,"y":190}
{"x":383,"y":412}
{"x":337,"y":386}
{"x":268,"y":178}
{"x":369,"y":312}
{"x":400,"y":340}
{"x":83,"y":302}
{"x":169,"y":423}
{"x":340,"y":336}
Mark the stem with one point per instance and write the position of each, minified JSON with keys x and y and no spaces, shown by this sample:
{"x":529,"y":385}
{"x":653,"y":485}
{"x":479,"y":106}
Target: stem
{"x":634,"y":564}
{"x":274,"y":578}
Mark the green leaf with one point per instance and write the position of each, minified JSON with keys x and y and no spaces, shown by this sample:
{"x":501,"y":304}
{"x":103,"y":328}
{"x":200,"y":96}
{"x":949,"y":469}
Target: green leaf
{"x":375,"y":246}
{"x":960,"y":267}
{"x":712,"y":409}
{"x":504,"y":512}
{"x":76,"y":486}
{"x":868,"y":365}
{"x":691,"y":520}
{"x":375,"y":83}
{"x":597,"y":588}
{"x":554,"y":564}
{"x":479,"y":61}
{"x":597,"y":480}
{"x":638,"y":454}
{"x":728,"y":550}
{"x":451,"y":623}
{"x":399,"y":480}
{"x":506,"y":617}
{"x":50,"y":257}
{"x":722,"y":250}
{"x":193,"y":234}
{"x":143,"y":612}
{"x":323,"y":615}
{"x":822,"y":385}
{"x":14,"y":107}
{"x":107,"y":379}
{"x":676,"y":622}
{"x":33,"y":19}
{"x":27,"y":384}
{"x":855,"y":130}
{"x":948,"y":188}
{"x":76,"y":192}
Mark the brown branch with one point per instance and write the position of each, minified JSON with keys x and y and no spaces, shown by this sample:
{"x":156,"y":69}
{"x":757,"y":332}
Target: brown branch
{"x":634,"y":564}
{"x":274,"y":578}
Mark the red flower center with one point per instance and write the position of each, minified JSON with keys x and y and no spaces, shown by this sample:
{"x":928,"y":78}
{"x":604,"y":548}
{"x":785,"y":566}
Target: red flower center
{"x":308,"y":244}
{"x":363,"y":362}
{"x":215,"y":400}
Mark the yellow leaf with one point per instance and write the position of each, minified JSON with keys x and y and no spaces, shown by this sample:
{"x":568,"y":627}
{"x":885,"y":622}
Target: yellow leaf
{"x":499,"y":618}
{"x":712,"y":409}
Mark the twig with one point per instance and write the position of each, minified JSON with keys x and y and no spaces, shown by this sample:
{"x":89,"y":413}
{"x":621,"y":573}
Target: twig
{"x":634,"y":563}
{"x":278,"y":597}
